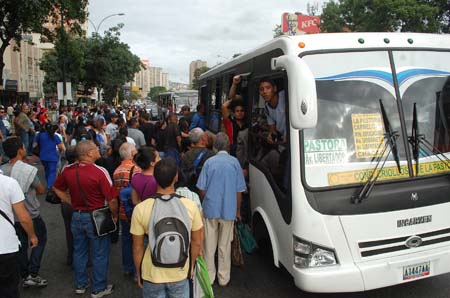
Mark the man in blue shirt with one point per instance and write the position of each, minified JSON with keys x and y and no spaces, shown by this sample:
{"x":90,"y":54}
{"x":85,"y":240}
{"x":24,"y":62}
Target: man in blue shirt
{"x":198,"y":120}
{"x":221,"y":184}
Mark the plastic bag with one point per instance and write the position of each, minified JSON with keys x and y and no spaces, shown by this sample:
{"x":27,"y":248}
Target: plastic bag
{"x":237,"y":259}
{"x":248,"y":242}
{"x":201,"y":282}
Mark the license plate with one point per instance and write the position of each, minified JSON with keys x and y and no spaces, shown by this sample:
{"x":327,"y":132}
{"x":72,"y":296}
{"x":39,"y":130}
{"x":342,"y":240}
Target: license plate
{"x":416,"y":271}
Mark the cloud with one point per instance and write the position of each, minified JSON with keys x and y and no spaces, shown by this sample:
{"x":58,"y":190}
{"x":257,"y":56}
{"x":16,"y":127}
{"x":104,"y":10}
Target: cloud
{"x":173,"y":33}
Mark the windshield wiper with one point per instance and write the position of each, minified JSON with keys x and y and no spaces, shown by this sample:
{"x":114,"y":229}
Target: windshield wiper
{"x":416,"y":139}
{"x":390,"y":137}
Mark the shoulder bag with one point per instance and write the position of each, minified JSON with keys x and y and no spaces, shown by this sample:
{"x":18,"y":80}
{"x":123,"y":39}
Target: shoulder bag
{"x":7,"y":218}
{"x":101,"y":217}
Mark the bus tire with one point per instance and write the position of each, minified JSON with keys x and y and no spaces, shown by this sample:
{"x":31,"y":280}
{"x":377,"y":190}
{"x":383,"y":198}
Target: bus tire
{"x":262,"y":236}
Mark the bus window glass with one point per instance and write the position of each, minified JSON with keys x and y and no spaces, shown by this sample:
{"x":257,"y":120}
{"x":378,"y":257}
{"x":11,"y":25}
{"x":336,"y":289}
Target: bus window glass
{"x":348,"y":140}
{"x":424,"y":79}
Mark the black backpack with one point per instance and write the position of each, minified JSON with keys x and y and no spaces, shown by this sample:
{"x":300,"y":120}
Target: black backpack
{"x":191,"y":173}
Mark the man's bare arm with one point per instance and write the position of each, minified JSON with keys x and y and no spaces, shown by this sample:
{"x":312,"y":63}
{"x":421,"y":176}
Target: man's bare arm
{"x":138,"y":255}
{"x":64,"y":196}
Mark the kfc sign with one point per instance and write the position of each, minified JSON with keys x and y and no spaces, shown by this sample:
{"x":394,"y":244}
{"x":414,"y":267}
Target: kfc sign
{"x":293,"y":24}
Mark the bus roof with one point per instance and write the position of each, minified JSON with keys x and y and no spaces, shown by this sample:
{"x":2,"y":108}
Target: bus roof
{"x":290,"y":45}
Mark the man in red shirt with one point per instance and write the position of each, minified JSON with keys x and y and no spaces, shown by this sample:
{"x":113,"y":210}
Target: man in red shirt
{"x":97,"y":186}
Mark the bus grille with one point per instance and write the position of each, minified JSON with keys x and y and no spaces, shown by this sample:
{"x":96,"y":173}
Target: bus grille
{"x":378,"y":247}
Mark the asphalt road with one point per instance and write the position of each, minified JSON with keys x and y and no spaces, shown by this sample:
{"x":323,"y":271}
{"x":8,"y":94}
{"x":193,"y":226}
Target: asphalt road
{"x":259,"y":278}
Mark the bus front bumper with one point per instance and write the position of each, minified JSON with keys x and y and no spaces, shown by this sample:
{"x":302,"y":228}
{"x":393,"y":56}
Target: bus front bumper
{"x":374,"y":274}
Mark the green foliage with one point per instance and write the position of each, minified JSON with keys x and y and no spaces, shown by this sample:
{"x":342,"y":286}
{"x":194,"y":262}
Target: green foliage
{"x":26,"y":16}
{"x":197,"y":74}
{"x":109,"y":62}
{"x":72,"y":54}
{"x":155,"y":91}
{"x":277,"y":31}
{"x":385,"y":16}
{"x":98,"y":61}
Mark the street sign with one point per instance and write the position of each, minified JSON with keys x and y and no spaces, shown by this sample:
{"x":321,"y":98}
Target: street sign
{"x":59,"y":87}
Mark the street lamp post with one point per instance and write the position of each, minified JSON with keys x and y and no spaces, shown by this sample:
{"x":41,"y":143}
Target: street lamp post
{"x":96,"y":28}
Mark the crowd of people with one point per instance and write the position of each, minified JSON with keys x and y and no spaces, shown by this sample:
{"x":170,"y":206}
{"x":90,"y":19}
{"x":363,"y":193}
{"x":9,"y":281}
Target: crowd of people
{"x":116,"y":157}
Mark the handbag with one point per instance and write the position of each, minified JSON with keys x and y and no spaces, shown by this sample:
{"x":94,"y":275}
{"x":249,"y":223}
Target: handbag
{"x":101,"y":217}
{"x":36,"y":150}
{"x":237,"y":259}
{"x":246,"y":238}
{"x":52,"y":198}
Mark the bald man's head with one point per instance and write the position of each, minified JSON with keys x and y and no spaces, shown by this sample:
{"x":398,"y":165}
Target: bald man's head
{"x":85,"y":150}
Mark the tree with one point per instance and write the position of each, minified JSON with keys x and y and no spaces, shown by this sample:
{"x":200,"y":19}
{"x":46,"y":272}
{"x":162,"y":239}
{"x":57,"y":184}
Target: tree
{"x":155,"y":91}
{"x":109,"y":62}
{"x":385,"y":16}
{"x":72,"y":53}
{"x":277,"y":31}
{"x":25,"y":16}
{"x":197,"y":74}
{"x":102,"y":62}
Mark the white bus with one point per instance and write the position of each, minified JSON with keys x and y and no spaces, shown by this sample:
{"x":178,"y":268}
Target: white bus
{"x":357,"y":197}
{"x":177,"y":99}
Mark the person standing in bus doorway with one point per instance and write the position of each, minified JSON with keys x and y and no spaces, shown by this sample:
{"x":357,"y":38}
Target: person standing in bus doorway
{"x":275,"y":108}
{"x":221,"y":184}
{"x":198,"y":120}
{"x":234,"y":122}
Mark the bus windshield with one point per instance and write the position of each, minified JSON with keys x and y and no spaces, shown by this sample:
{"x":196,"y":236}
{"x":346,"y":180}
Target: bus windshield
{"x":349,"y":138}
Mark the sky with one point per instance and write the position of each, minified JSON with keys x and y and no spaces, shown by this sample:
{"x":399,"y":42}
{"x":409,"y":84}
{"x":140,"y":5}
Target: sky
{"x":172,"y":33}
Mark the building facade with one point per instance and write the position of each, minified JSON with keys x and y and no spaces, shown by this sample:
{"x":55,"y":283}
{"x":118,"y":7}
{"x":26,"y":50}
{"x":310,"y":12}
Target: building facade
{"x":193,"y":66}
{"x":21,"y":71}
{"x":150,"y":77}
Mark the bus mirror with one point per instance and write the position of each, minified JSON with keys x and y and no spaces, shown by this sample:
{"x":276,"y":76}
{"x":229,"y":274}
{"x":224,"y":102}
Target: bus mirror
{"x":302,"y":91}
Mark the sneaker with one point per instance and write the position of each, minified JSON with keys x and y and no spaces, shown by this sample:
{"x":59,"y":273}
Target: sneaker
{"x":109,"y":289}
{"x":34,"y":281}
{"x":81,"y":290}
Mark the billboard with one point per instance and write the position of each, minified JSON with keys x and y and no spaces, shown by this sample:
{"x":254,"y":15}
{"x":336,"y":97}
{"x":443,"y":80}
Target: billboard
{"x":297,"y":23}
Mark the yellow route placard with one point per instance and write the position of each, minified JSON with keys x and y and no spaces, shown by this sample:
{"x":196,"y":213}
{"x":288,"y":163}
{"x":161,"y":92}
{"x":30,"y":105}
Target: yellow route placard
{"x":387,"y":173}
{"x":368,"y":135}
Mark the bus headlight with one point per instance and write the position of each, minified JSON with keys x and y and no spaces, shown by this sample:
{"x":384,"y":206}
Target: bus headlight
{"x":310,"y":255}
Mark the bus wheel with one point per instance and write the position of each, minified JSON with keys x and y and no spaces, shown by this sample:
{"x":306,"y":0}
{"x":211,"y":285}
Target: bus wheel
{"x":262,"y":236}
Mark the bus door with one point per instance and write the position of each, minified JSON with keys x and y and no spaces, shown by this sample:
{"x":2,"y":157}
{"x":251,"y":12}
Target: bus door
{"x":271,"y":158}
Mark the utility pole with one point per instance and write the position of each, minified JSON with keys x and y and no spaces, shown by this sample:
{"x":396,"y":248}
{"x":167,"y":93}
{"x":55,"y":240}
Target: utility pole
{"x":63,"y":40}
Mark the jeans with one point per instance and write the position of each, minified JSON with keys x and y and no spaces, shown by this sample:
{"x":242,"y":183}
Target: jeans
{"x":85,"y":239}
{"x":179,"y":289}
{"x":25,"y":137}
{"x":50,"y":172}
{"x":32,"y":264}
{"x":127,"y":248}
{"x":9,"y":276}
